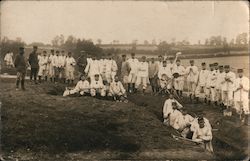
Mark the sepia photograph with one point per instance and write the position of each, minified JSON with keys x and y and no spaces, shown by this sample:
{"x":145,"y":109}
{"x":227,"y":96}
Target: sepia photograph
{"x":124,"y":80}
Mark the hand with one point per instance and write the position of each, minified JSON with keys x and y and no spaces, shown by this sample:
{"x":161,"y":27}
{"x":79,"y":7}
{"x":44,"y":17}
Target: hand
{"x":241,"y":85}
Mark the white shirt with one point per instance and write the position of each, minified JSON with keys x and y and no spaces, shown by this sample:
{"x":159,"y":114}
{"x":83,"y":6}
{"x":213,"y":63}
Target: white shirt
{"x":192,"y":73}
{"x":220,"y":78}
{"x":164,"y":70}
{"x":228,"y":85}
{"x":133,"y":64}
{"x":117,"y":87}
{"x":142,"y":69}
{"x":180,"y":70}
{"x":173,"y":118}
{"x":241,"y":94}
{"x":167,"y":107}
{"x":202,"y":78}
{"x":82,"y":85}
{"x":92,"y":68}
{"x":43,"y":61}
{"x":96,"y":84}
{"x":70,"y":63}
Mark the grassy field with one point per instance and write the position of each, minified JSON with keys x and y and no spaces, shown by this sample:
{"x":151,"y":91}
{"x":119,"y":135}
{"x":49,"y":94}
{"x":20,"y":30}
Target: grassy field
{"x":40,"y":124}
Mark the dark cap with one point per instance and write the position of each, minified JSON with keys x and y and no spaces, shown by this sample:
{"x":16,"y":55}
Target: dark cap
{"x":34,"y":47}
{"x":211,"y":65}
{"x":133,"y":54}
{"x":57,"y":51}
{"x":215,"y":64}
{"x":203,"y":63}
{"x":191,"y":61}
{"x":178,"y":60}
{"x":164,"y":61}
{"x":227,"y":66}
{"x":123,"y":55}
{"x":174,"y":104}
{"x":239,"y":70}
{"x":221,"y":66}
{"x":52,"y":50}
{"x":96,"y":75}
{"x":160,"y":56}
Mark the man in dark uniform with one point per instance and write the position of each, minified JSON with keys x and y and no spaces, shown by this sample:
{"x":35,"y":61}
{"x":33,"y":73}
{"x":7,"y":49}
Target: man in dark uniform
{"x":20,"y":65}
{"x":82,"y":61}
{"x":33,"y":61}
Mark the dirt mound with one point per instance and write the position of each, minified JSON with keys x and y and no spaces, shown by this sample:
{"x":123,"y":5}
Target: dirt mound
{"x":41,"y":124}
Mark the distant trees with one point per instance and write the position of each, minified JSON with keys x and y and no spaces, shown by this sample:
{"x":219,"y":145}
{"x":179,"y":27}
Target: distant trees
{"x":241,"y":39}
{"x":10,"y":45}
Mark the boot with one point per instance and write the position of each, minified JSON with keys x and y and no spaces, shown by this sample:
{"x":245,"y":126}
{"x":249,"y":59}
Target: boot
{"x":17,"y":84}
{"x":133,"y":87}
{"x":39,"y":79}
{"x":205,"y":100}
{"x":51,"y":79}
{"x":22,"y":85}
{"x":46,"y":78}
{"x":197,"y":99}
{"x":129,"y":87}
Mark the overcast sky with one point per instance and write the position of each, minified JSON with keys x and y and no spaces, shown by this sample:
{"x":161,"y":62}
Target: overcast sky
{"x":40,"y":21}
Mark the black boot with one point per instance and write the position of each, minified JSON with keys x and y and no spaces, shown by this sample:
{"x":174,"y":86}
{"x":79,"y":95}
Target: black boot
{"x":205,"y":100}
{"x":129,"y":88}
{"x":46,"y":78}
{"x":51,"y":79}
{"x":22,"y":85}
{"x":17,"y":84}
{"x":39,"y":79}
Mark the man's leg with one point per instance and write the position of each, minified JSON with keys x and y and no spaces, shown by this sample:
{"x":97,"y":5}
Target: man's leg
{"x":18,"y":80}
{"x":35,"y":74}
{"x":22,"y":81}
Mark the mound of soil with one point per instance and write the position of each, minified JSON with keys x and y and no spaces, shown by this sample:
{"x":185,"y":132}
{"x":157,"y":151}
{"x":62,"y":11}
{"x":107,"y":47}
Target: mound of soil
{"x":40,"y":124}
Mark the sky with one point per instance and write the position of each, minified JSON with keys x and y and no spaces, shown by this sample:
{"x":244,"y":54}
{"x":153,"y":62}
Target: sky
{"x":41,"y":21}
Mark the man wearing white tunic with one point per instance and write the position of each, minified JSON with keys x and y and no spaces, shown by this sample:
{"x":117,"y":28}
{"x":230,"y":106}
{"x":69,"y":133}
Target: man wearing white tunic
{"x":82,"y":87}
{"x":8,"y":59}
{"x":165,"y":77}
{"x":192,"y":76}
{"x":241,"y":91}
{"x":51,"y":66}
{"x":220,"y":78}
{"x":174,"y":116}
{"x":228,"y":87}
{"x":70,"y":68}
{"x":167,"y":108}
{"x":202,"y":132}
{"x":142,"y":76}
{"x":97,"y":87}
{"x":212,"y":78}
{"x":43,"y":61}
{"x":201,"y":83}
{"x":114,"y":68}
{"x":133,"y":64}
{"x":117,"y":90}
{"x":93,"y":68}
{"x":179,"y":81}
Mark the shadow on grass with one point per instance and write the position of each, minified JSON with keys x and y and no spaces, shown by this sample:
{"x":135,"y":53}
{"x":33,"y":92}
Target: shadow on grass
{"x":64,"y":132}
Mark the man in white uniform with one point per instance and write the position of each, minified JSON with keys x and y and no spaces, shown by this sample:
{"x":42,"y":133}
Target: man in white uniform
{"x":51,"y":66}
{"x":201,"y":83}
{"x":212,"y":79}
{"x":70,"y":68}
{"x":97,"y":87}
{"x":117,"y":90}
{"x":167,"y":108}
{"x":93,"y":68}
{"x":165,"y":76}
{"x":133,"y":64}
{"x":8,"y":59}
{"x":82,"y":87}
{"x":220,"y":78}
{"x":142,"y":76}
{"x":179,"y":81}
{"x":228,"y":87}
{"x":43,"y":61}
{"x":192,"y":76}
{"x":241,"y":91}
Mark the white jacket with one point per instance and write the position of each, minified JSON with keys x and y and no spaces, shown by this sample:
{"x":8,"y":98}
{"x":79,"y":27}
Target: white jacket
{"x":164,"y":70}
{"x":167,"y":107}
{"x":96,"y":84}
{"x":142,"y":69}
{"x":228,"y":85}
{"x":117,"y":88}
{"x":192,"y":73}
{"x":180,"y":70}
{"x":202,"y":78}
{"x":70,"y":63}
{"x":133,"y":64}
{"x":241,"y":94}
{"x":220,"y":78}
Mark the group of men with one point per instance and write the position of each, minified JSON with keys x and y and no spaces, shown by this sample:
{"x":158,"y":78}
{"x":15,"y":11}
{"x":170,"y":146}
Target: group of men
{"x":56,"y":65}
{"x":217,"y":85}
{"x":197,"y":129}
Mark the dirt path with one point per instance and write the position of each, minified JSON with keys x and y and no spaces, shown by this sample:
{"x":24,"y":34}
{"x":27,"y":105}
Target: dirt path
{"x":39,"y":125}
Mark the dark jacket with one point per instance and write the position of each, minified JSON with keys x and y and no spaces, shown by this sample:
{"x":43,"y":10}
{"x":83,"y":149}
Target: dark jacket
{"x":33,"y":60}
{"x":20,"y":63}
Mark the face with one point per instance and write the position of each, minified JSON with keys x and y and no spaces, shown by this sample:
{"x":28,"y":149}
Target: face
{"x":133,"y":56}
{"x":240,"y":74}
{"x":201,"y":124}
{"x":227,"y":70}
{"x":152,"y":60}
{"x":165,"y":64}
{"x":96,"y":78}
{"x":35,"y":49}
{"x":124,"y":58}
{"x":160,"y":58}
{"x":178,"y":63}
{"x":221,"y":70}
{"x":191,"y":63}
{"x":216,"y":67}
{"x":116,"y":79}
{"x":83,"y":78}
{"x":171,"y":96}
{"x":203,"y":67}
{"x":143,"y":59}
{"x":212,"y":68}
